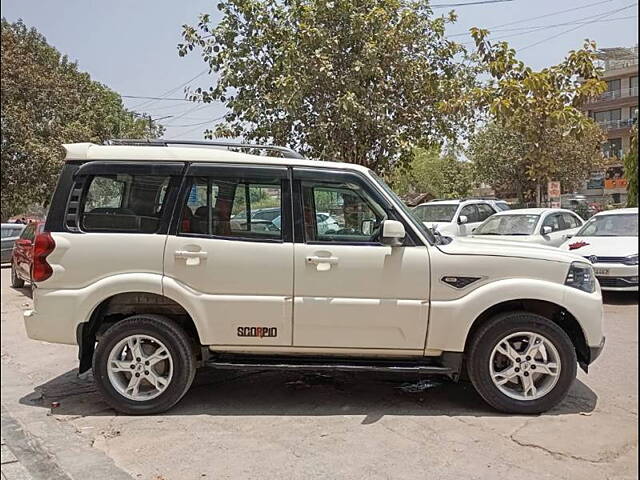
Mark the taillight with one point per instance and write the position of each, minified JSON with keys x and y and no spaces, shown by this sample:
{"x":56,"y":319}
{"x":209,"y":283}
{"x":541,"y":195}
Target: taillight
{"x":43,"y":246}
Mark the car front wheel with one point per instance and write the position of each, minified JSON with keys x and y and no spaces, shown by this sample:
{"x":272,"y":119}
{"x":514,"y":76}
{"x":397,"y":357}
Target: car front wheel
{"x":144,"y":364}
{"x":520,"y":362}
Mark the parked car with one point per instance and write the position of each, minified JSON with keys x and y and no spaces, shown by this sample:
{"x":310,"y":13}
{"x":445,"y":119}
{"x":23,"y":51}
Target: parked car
{"x":325,"y":223}
{"x":500,"y":205}
{"x":609,"y":240}
{"x":148,"y":294}
{"x":22,"y":255}
{"x":546,"y":226}
{"x":10,"y":233}
{"x":454,"y":217}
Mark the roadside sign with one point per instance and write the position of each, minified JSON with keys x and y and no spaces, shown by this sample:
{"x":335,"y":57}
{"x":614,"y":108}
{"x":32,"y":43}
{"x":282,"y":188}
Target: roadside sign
{"x":553,"y":189}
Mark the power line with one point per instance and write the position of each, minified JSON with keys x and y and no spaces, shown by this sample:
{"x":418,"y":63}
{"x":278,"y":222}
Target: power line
{"x":533,"y":28}
{"x":154,"y":98}
{"x":559,"y":12}
{"x":604,"y":15}
{"x":194,"y":129}
{"x":172,"y":90}
{"x":483,"y":2}
{"x":196,"y":124}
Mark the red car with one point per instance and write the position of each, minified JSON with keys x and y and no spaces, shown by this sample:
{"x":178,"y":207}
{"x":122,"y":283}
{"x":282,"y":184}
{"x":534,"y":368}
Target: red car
{"x":22,"y":256}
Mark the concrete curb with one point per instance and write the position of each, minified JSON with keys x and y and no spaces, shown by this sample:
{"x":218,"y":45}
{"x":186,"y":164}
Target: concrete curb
{"x":59,"y":456}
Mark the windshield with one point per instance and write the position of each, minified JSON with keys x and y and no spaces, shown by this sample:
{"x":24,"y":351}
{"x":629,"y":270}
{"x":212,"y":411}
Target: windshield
{"x":508,"y":225}
{"x":502,"y":206}
{"x":435,"y":212}
{"x":417,"y":223}
{"x":610,"y":226}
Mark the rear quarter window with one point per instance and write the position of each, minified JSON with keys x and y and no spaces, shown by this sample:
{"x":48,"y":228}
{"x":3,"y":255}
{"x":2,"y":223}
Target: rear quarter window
{"x":124,"y":203}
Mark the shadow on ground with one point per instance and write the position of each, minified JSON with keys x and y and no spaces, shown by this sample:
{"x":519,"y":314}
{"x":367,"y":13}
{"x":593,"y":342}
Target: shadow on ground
{"x":620,"y":298}
{"x":237,"y":393}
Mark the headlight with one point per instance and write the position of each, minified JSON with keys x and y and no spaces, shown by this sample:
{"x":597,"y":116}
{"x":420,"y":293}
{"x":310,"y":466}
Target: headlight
{"x":631,"y":260}
{"x":581,"y":276}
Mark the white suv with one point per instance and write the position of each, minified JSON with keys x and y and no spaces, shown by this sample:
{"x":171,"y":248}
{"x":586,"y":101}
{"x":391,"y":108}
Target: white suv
{"x":142,"y":266}
{"x":455,"y":218}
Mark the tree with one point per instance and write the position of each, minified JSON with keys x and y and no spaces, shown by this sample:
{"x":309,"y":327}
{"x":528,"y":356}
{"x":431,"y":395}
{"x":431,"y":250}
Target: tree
{"x":501,"y":158}
{"x":631,"y":169}
{"x":443,"y":176}
{"x":46,"y":101}
{"x":539,"y":115}
{"x":361,"y":81}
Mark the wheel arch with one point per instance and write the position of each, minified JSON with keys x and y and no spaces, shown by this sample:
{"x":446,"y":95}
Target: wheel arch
{"x":124,"y":304}
{"x":550,"y":310}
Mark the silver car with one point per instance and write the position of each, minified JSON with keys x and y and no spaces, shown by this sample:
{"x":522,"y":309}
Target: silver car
{"x":10,"y":233}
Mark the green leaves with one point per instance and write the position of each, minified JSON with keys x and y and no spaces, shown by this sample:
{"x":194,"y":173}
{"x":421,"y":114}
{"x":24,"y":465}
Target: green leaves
{"x":357,"y":81}
{"x":631,"y":169}
{"x":46,"y":101}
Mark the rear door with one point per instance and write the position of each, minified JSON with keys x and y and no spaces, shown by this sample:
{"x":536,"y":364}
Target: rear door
{"x":234,"y":274}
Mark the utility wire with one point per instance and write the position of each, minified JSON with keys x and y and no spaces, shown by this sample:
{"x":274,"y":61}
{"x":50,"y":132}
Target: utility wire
{"x":483,"y":2}
{"x":559,"y":12}
{"x":604,"y":15}
{"x":172,"y":90}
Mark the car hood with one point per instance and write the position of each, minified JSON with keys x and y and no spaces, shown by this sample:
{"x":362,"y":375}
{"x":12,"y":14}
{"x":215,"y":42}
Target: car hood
{"x":505,"y":238}
{"x":603,"y":246}
{"x":504,"y":248}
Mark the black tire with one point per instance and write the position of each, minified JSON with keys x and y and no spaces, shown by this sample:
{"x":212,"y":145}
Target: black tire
{"x":175,"y":339}
{"x":488,"y":336}
{"x":16,"y":281}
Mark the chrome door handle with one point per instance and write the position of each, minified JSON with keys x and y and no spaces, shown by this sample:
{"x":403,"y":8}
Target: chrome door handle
{"x":322,"y":263}
{"x":192,"y":258}
{"x":188,"y":254}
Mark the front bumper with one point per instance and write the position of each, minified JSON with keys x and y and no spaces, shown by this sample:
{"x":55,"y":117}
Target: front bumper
{"x":618,"y":277}
{"x":594,"y":352}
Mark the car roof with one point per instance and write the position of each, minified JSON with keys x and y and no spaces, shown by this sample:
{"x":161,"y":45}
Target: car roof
{"x":152,"y":153}
{"x":618,"y":211}
{"x":454,"y":202}
{"x":533,"y":211}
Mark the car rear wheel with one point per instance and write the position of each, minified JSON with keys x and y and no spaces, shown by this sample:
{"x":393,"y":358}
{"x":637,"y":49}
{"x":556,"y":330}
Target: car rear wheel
{"x":16,"y":281}
{"x":520,"y":362}
{"x":144,"y":364}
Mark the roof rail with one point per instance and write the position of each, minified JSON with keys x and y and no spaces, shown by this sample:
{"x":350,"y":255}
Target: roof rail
{"x":161,"y":142}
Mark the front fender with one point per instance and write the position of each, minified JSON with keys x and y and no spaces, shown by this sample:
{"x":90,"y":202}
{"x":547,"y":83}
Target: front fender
{"x":450,"y":320}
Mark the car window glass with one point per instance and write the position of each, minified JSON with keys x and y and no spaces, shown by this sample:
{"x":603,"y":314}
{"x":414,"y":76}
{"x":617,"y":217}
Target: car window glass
{"x":556,"y":222}
{"x":29,"y":232}
{"x":470,"y":212}
{"x":571,"y":220}
{"x":123,"y":203}
{"x":233,"y":208}
{"x":620,"y":225}
{"x":350,"y":214}
{"x":6,"y":232}
{"x":484,"y":211}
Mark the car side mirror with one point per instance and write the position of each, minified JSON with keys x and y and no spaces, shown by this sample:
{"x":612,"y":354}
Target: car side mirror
{"x":546,"y":230}
{"x":569,"y":235}
{"x":393,"y":233}
{"x":462,"y":219}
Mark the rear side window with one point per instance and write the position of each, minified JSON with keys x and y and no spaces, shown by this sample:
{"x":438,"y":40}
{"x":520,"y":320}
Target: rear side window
{"x":124,"y":203}
{"x":235,"y":208}
{"x":484,"y":212}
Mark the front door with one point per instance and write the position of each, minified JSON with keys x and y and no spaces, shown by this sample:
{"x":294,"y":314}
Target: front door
{"x":351,"y":291}
{"x":226,"y":261}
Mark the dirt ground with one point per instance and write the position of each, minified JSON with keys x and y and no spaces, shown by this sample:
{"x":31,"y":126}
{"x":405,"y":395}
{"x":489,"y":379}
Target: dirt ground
{"x":238,"y":424}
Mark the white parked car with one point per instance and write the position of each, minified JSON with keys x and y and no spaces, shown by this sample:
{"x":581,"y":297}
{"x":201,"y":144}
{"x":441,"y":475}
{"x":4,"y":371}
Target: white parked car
{"x":454,"y":218}
{"x":546,"y":226}
{"x":174,"y":283}
{"x":609,"y":240}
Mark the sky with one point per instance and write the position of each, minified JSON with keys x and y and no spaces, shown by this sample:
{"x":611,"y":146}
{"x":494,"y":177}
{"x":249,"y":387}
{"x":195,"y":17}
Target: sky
{"x":131,"y":46}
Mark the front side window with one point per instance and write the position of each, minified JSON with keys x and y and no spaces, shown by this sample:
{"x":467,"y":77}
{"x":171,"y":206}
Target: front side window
{"x":471,"y":212}
{"x":508,"y":225}
{"x":556,"y":222}
{"x":228,"y":207}
{"x":435,"y":212}
{"x":484,"y":212}
{"x":124,"y":203}
{"x":621,"y":225}
{"x":340,"y":213}
{"x":571,"y":221}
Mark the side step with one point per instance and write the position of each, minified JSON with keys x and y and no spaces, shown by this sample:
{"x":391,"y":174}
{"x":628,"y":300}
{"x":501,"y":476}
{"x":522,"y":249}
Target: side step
{"x":263,"y":362}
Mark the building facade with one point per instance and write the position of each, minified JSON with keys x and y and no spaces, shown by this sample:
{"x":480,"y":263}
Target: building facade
{"x":615,"y":111}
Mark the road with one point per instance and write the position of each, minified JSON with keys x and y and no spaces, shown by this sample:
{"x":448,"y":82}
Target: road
{"x":294,"y":426}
